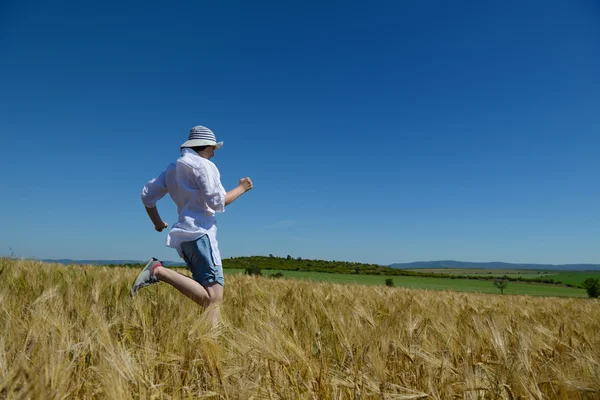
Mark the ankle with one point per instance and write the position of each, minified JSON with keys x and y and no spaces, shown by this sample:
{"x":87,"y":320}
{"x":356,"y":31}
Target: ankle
{"x":156,"y":270}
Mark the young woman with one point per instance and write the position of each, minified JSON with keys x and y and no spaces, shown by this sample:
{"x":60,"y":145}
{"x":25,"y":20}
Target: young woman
{"x":194,"y":184}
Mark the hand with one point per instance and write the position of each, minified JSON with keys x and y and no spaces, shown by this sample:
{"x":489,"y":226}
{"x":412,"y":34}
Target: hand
{"x":246,"y":184}
{"x":160,"y":227}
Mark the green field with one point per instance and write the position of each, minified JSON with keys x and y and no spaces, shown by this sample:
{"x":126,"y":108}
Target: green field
{"x":459,"y":285}
{"x":573,"y":277}
{"x":513,"y":273}
{"x":566,"y":277}
{"x":528,"y":273}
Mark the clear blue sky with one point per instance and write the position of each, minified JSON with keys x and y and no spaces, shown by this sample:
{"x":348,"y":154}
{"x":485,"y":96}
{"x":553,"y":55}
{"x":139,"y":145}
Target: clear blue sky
{"x":373,"y":131}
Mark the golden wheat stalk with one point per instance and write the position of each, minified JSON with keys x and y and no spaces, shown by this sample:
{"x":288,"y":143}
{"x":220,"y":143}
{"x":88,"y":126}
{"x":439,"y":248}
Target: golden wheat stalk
{"x":73,"y":332}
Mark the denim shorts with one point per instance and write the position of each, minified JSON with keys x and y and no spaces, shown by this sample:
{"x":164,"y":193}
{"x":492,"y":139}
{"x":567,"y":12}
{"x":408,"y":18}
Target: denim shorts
{"x":199,"y":259}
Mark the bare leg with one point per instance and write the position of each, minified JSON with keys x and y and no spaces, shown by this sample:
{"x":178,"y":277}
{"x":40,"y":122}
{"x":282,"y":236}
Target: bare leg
{"x":185,"y":285}
{"x":215,"y":292}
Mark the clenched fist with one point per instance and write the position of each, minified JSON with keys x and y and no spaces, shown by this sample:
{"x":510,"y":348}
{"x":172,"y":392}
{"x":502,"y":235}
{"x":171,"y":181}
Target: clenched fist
{"x":246,"y":184}
{"x":159,"y":227}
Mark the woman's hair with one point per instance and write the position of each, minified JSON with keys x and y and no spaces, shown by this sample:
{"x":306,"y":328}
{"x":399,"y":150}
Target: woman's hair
{"x":198,"y":149}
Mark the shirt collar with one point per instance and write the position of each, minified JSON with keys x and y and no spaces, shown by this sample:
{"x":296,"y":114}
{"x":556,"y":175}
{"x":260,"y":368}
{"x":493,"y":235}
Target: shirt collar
{"x":187,"y":152}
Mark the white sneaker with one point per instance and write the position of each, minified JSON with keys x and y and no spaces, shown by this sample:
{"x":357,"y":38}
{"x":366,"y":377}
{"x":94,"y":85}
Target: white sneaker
{"x":146,"y":277}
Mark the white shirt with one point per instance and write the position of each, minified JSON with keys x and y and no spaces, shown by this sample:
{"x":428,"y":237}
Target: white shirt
{"x":194,"y":184}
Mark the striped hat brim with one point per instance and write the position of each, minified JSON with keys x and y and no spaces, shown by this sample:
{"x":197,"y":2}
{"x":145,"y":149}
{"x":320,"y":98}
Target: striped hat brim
{"x":202,"y":136}
{"x":202,"y":142}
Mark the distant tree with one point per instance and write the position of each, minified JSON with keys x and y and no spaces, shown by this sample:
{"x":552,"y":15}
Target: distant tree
{"x":501,"y":284}
{"x":253,"y":270}
{"x":289,"y":257}
{"x":270,"y":255}
{"x":389,"y":282}
{"x":299,"y":258}
{"x":592,"y":286}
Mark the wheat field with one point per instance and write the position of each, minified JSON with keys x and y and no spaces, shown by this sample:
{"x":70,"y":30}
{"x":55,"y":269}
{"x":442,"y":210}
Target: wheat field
{"x":74,"y":332}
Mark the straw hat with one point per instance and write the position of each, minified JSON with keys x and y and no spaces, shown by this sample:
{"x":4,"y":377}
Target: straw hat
{"x":202,"y":136}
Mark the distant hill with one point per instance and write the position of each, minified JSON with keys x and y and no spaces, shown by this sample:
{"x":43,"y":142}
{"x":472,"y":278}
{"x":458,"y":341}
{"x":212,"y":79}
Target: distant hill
{"x":450,"y":264}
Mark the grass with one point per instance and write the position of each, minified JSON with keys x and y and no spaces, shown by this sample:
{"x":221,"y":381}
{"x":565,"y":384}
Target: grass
{"x":74,"y":332}
{"x":566,"y":277}
{"x":459,"y":285}
{"x":574,"y":277}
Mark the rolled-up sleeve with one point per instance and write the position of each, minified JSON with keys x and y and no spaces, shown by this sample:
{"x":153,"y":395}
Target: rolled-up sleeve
{"x":155,"y":190}
{"x":209,"y":182}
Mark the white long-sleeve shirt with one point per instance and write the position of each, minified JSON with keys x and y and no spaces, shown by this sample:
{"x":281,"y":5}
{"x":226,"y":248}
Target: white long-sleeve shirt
{"x":194,"y":184}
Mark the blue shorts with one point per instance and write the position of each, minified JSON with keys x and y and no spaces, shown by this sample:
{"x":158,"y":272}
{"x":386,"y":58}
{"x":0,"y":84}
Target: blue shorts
{"x":199,"y":259}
